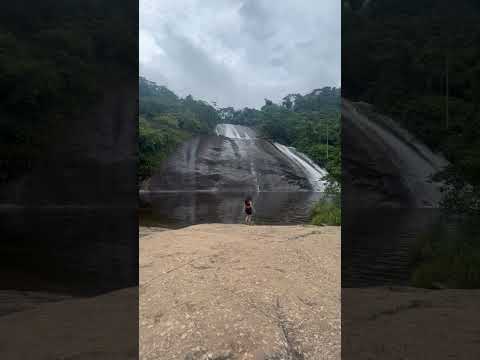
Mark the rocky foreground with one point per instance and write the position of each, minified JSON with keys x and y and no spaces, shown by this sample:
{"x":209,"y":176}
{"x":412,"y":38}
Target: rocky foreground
{"x":240,"y":292}
{"x":237,"y":292}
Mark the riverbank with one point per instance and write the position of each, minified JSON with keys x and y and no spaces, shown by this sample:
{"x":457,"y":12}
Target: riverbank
{"x":240,"y":292}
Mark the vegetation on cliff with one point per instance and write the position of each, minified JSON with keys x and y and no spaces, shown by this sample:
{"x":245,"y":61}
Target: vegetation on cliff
{"x":418,"y":62}
{"x":165,"y":121}
{"x":51,"y":75}
{"x":310,"y":123}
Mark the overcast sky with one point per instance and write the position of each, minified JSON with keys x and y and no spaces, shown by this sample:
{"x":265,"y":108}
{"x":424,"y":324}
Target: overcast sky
{"x":238,"y":52}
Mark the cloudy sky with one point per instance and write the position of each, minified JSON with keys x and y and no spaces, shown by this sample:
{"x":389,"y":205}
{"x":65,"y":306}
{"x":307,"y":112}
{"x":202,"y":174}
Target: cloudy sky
{"x":238,"y":52}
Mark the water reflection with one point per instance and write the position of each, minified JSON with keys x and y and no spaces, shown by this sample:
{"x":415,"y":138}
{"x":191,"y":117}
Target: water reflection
{"x":409,"y":247}
{"x":377,"y":244}
{"x":70,"y":250}
{"x":177,"y":209}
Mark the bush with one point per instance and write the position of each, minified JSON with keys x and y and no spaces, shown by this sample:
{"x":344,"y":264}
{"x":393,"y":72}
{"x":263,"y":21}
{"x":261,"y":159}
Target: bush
{"x":154,"y":145}
{"x":327,"y":211}
{"x":448,"y":256}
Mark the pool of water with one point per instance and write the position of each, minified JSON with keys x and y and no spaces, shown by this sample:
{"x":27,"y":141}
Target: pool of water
{"x":378,"y":245}
{"x":70,"y":250}
{"x":179,"y":209}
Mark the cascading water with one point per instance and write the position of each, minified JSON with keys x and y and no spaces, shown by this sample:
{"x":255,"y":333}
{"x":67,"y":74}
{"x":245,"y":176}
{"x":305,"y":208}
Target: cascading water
{"x":314,"y":173}
{"x":235,"y":131}
{"x":380,"y":146}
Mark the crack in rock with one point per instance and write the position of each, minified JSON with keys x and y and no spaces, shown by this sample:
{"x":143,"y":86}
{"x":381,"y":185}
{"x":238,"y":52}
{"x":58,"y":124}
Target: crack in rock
{"x":292,"y":349}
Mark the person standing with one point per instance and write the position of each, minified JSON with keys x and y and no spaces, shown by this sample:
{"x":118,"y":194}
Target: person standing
{"x":248,"y":207}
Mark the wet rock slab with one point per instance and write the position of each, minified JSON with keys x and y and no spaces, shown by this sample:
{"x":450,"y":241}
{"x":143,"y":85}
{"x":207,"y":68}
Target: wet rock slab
{"x":219,"y":291}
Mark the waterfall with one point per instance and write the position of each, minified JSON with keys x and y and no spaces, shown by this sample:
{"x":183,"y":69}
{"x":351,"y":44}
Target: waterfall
{"x":313,"y":172}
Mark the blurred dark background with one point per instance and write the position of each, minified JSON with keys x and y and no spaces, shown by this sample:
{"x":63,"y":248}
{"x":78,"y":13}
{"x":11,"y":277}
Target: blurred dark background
{"x":410,"y":177}
{"x":68,"y":110}
{"x":68,"y":192}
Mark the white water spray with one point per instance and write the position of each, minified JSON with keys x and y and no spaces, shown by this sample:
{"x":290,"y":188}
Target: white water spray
{"x":313,"y":172}
{"x":234,"y":131}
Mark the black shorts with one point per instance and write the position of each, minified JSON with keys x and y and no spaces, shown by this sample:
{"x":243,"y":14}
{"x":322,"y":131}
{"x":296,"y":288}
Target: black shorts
{"x":248,"y":211}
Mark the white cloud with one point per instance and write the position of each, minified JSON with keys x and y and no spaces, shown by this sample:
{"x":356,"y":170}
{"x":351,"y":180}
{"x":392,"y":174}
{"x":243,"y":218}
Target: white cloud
{"x":148,"y":47}
{"x":240,"y":52}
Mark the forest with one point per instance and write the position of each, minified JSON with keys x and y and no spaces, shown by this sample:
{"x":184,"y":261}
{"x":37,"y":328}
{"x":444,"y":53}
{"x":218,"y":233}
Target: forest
{"x":309,"y":122}
{"x":419,"y":62}
{"x":165,"y":121}
{"x":50,"y":74}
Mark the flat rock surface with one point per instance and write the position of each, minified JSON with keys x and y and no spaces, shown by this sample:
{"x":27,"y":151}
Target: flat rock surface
{"x":218,"y":291}
{"x":74,"y":329}
{"x":410,"y":323}
{"x":148,"y":230}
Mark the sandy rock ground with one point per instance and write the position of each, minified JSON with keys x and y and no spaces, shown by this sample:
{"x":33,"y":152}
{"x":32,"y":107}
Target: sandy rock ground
{"x":73,"y":329}
{"x":219,"y":291}
{"x":410,"y":323}
{"x":148,"y":230}
{"x":236,"y":292}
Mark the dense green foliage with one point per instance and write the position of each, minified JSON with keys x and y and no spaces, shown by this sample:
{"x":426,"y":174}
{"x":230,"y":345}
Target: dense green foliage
{"x":328,"y":211}
{"x":448,"y":256}
{"x":154,"y":145}
{"x":54,"y":59}
{"x":311,"y":123}
{"x":419,"y":62}
{"x":167,"y":120}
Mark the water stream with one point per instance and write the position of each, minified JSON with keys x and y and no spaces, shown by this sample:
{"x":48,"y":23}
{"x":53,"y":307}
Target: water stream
{"x":313,"y":172}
